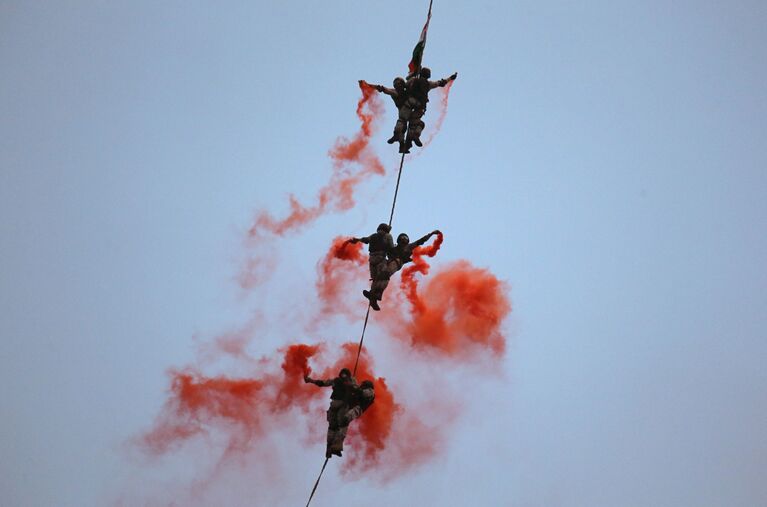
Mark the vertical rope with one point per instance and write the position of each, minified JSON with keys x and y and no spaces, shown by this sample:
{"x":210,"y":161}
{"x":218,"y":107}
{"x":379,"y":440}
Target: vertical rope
{"x":318,"y":482}
{"x":359,"y":348}
{"x":396,"y":190}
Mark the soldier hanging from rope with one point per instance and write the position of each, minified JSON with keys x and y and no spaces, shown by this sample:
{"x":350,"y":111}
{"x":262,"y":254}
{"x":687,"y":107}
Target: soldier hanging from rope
{"x":379,"y":244}
{"x":348,"y":401}
{"x":397,"y":257}
{"x":399,"y":96}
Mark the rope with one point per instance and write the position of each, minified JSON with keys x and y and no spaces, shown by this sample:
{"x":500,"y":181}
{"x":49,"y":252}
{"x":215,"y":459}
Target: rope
{"x":396,"y":190}
{"x":318,"y":482}
{"x":391,"y":218}
{"x":359,"y":348}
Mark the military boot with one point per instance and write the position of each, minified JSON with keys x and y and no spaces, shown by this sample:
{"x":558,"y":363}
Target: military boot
{"x":372,"y":299}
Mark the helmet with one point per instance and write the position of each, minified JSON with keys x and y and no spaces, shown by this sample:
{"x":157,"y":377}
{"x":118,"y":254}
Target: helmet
{"x":398,"y":81}
{"x":367,"y":384}
{"x":344,"y":372}
{"x":403,"y":238}
{"x":383,"y":227}
{"x":426,"y":72}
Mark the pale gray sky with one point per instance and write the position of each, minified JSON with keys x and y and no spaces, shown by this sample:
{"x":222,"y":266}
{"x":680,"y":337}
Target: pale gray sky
{"x":607,"y":159}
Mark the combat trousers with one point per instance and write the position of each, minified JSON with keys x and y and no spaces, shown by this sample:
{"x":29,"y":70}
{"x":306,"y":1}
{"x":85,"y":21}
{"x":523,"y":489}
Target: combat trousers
{"x":336,"y":436}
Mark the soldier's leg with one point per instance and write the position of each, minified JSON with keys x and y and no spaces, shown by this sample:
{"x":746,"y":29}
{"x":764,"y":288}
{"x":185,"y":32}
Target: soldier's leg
{"x":416,"y":126}
{"x":336,"y":441}
{"x":375,"y":263}
{"x":378,"y":287}
{"x":350,"y":415}
{"x":336,"y":407}
{"x":401,"y":125}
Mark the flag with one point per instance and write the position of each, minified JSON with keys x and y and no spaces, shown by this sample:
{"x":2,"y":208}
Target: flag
{"x":415,"y":63}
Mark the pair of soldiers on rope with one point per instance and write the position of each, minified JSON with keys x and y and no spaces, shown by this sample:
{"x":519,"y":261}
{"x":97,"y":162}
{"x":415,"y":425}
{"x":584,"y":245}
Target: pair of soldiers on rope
{"x":386,"y":258}
{"x":411,"y":97}
{"x":348,"y":401}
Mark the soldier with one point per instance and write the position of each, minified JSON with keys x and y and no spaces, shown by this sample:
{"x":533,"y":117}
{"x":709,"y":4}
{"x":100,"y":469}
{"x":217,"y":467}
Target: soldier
{"x":344,"y":387}
{"x":379,"y":244}
{"x":398,"y":256}
{"x":418,"y":87}
{"x":399,"y":96}
{"x":361,"y":399}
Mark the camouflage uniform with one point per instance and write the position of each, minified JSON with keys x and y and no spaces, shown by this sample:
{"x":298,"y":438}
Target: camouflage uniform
{"x":344,"y":389}
{"x":379,"y":244}
{"x":400,"y":98}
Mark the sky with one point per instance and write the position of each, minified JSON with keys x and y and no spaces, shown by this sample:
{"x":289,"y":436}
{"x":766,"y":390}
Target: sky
{"x":605,"y":159}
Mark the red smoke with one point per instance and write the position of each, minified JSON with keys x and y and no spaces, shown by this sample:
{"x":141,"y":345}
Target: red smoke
{"x":337,"y":273}
{"x":461,"y":307}
{"x":338,"y":193}
{"x":419,"y":265}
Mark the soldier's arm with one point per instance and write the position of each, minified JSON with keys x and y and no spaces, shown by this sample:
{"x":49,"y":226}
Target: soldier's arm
{"x":365,"y":240}
{"x":424,"y":239}
{"x":383,"y":89}
{"x":442,"y":82}
{"x":319,"y":383}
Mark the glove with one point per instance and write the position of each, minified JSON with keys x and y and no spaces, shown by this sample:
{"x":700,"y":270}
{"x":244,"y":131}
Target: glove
{"x":308,"y":380}
{"x":452,"y":78}
{"x":380,"y":88}
{"x":354,"y":240}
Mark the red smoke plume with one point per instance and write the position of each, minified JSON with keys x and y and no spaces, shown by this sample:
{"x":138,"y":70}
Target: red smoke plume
{"x":342,"y":266}
{"x":408,"y":281}
{"x":338,"y":194}
{"x":460,"y":308}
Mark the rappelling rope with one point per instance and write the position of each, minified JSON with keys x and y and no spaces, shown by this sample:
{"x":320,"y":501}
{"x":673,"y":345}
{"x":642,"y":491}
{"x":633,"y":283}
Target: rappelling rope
{"x":396,"y":190}
{"x":318,"y":482}
{"x":362,"y":337}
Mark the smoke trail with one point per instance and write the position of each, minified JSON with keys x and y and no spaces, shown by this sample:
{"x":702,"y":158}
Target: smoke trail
{"x":408,"y":281}
{"x":338,"y":194}
{"x":460,"y":308}
{"x":336,"y":273}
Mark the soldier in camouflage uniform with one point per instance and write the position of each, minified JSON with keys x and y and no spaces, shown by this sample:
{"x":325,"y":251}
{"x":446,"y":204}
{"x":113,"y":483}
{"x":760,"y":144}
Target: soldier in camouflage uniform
{"x":379,"y":244}
{"x":343,"y":386}
{"x":400,"y":97}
